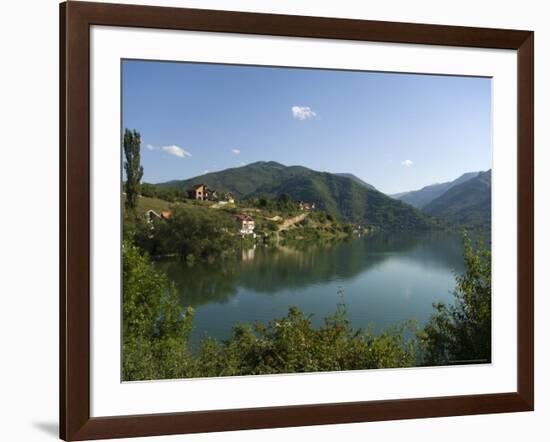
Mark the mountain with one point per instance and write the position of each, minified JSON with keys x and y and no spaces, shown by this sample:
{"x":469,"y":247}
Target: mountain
{"x":341,"y":196}
{"x":422,"y":197}
{"x":356,"y":179}
{"x":467,"y":203}
{"x":242,"y":181}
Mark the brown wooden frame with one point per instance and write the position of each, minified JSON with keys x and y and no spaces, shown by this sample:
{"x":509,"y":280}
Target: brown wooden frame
{"x":75,"y":21}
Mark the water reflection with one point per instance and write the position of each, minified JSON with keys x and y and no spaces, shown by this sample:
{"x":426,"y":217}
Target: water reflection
{"x":268,"y":270}
{"x":386,"y":279}
{"x":247,"y":255}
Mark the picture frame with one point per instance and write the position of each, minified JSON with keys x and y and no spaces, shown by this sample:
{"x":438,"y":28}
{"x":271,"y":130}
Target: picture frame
{"x":76,"y":19}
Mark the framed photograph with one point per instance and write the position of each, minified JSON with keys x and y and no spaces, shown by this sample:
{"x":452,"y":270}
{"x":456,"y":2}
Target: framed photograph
{"x":272,"y":221}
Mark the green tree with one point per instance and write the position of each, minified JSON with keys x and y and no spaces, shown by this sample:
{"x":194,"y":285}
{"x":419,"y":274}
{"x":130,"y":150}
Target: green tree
{"x":292,"y":345}
{"x":197,"y":233}
{"x":155,"y":328}
{"x":285,"y":202}
{"x":132,"y":167}
{"x":462,"y":332}
{"x":156,"y":332}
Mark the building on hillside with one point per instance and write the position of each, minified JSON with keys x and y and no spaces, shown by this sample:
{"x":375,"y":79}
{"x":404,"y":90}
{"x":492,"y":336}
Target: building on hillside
{"x":151,"y":215}
{"x":306,"y":206}
{"x":246,"y":225}
{"x":225,"y":198}
{"x":199,"y":192}
{"x":228,"y":196}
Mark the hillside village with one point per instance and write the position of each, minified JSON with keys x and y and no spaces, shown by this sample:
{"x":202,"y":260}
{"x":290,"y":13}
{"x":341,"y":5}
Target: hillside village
{"x":267,"y":203}
{"x":244,"y":213}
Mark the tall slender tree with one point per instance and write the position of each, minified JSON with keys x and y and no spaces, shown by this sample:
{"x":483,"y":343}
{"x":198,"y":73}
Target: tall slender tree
{"x":132,"y":167}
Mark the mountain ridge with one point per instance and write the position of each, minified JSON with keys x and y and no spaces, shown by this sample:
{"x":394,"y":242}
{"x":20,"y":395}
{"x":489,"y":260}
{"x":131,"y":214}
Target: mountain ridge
{"x":342,"y":196}
{"x":467,"y":203}
{"x":356,"y":179}
{"x":420,"y":198}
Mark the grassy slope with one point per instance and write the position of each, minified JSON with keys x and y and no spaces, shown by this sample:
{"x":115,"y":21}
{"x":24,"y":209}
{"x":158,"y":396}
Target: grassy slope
{"x":156,"y":204}
{"x":309,"y":226}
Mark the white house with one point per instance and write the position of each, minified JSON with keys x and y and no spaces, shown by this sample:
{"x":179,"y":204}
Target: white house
{"x":246,"y":224}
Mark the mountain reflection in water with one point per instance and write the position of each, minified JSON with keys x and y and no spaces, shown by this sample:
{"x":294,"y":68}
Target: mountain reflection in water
{"x":386,"y":279}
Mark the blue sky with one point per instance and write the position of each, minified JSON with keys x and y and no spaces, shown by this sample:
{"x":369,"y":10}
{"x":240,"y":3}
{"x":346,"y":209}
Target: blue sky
{"x":395,"y":131}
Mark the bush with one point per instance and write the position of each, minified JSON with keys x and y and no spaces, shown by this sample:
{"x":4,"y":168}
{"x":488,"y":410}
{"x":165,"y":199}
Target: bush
{"x":201,"y":232}
{"x":156,"y":341}
{"x":155,"y":329}
{"x":156,"y":332}
{"x":462,"y":332}
{"x":292,"y":345}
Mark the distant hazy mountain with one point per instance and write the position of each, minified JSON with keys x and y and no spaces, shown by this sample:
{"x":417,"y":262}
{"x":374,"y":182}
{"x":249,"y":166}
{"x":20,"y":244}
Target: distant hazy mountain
{"x":342,"y":195}
{"x":467,"y":203}
{"x":422,"y":197}
{"x":356,"y":179}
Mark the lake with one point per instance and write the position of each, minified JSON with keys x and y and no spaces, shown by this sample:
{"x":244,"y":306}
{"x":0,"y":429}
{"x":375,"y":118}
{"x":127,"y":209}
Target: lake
{"x":384,"y":279}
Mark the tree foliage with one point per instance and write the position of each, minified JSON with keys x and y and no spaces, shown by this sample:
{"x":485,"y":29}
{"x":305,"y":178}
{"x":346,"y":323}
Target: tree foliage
{"x":191,"y":233}
{"x":165,"y":193}
{"x":132,"y":167}
{"x":155,"y":328}
{"x":462,"y":332}
{"x":156,"y":334}
{"x":292,"y":345}
{"x":467,"y":204}
{"x":345,"y":198}
{"x":282,"y":203}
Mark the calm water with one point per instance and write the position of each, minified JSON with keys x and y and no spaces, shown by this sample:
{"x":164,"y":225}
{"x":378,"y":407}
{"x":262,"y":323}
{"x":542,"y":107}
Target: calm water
{"x":386,"y":279}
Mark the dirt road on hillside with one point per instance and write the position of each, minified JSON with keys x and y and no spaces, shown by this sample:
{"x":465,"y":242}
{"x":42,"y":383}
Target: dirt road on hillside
{"x":288,"y":223}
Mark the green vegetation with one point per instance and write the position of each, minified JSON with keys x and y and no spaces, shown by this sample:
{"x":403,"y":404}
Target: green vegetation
{"x":356,"y":179}
{"x":156,"y":337}
{"x":282,"y":203}
{"x":157,"y":329}
{"x":241,"y":181}
{"x":464,"y":202}
{"x":290,"y":264}
{"x":467,"y":204}
{"x":166,"y":194}
{"x":318,"y":226}
{"x":132,"y":167}
{"x":462,"y":332}
{"x":292,"y":345}
{"x":145,"y":203}
{"x":203,"y":230}
{"x":191,"y":232}
{"x":345,"y":198}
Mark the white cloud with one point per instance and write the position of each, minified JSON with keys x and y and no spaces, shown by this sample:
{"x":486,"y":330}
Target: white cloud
{"x":302,"y":112}
{"x":236,"y":151}
{"x":176,"y":151}
{"x":204,"y":172}
{"x":407,"y":163}
{"x":150,"y":147}
{"x":243,"y":163}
